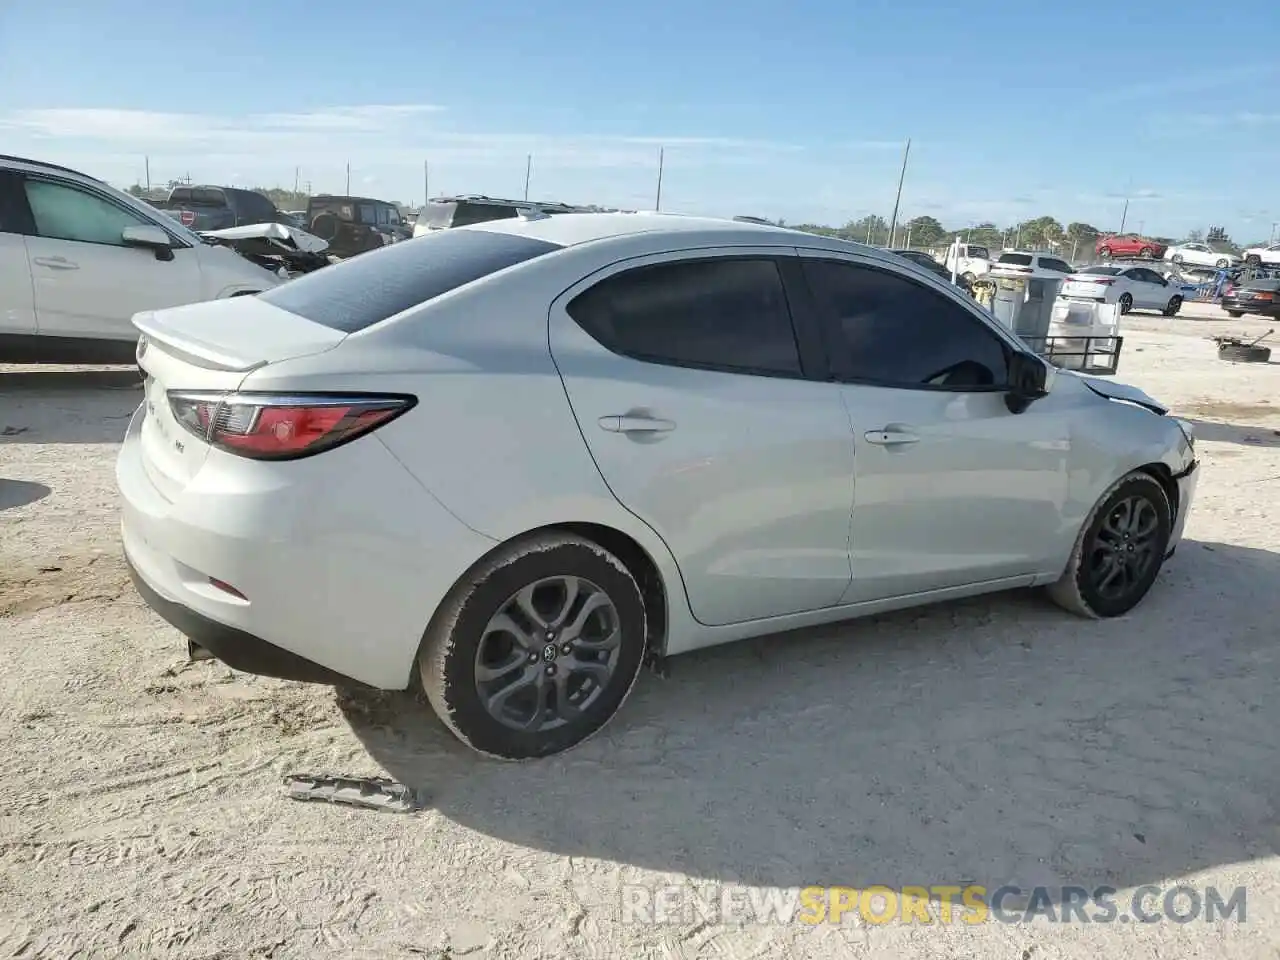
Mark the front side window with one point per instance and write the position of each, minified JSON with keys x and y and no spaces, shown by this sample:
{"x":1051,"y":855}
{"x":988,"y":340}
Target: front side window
{"x":63,"y":212}
{"x":368,"y":214}
{"x":888,"y":329}
{"x":721,"y":314}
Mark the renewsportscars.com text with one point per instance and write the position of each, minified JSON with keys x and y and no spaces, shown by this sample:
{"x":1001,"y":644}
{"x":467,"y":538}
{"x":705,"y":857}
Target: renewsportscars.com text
{"x":937,"y":903}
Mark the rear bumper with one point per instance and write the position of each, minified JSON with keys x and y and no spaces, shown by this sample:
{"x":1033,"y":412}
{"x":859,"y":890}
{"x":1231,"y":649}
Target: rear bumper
{"x":1263,"y":308}
{"x":1187,"y":482}
{"x":339,"y":560}
{"x":236,"y":648}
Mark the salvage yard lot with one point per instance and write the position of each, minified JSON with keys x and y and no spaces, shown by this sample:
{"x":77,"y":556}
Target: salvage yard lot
{"x":993,"y":741}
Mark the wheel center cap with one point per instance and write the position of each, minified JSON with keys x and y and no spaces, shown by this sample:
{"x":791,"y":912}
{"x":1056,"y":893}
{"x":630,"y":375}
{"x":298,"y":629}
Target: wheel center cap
{"x":549,"y":653}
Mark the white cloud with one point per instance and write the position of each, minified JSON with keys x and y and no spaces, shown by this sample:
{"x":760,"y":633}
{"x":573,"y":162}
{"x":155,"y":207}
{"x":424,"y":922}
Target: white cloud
{"x":387,"y":144}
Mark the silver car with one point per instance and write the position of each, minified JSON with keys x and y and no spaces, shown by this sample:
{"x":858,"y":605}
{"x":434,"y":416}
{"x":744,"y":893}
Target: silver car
{"x":510,"y":461}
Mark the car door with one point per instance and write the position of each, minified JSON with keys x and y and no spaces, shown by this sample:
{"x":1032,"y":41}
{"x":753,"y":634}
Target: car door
{"x":17,"y":299}
{"x":686,"y":377}
{"x":86,"y":281}
{"x":1133,"y":284}
{"x":1156,"y":292}
{"x":950,"y":488}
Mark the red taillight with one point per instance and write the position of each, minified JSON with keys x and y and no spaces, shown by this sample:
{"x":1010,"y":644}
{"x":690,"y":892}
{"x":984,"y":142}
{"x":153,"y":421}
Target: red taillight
{"x":188,"y":217}
{"x":265,"y":426}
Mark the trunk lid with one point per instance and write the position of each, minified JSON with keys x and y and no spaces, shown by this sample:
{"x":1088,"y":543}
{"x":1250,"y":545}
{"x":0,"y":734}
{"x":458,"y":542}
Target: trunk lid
{"x":208,"y":347}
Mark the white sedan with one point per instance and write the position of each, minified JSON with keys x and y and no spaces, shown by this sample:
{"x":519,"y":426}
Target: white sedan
{"x":1133,"y":288}
{"x":1197,"y":254}
{"x":1266,"y":256}
{"x":508,"y":463}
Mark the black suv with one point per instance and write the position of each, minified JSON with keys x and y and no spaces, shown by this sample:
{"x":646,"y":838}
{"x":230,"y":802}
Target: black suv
{"x":355,"y":225}
{"x":444,"y":212}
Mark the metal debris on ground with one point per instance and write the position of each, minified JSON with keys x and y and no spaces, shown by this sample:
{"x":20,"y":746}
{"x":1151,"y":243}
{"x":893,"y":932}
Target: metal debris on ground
{"x":376,"y":793}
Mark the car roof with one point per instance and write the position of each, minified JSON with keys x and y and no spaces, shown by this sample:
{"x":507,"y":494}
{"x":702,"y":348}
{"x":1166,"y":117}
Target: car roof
{"x":342,"y":198}
{"x":24,"y":162}
{"x":567,"y":231}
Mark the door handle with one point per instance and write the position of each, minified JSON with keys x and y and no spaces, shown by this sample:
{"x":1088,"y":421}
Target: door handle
{"x":57,"y":263}
{"x":890,"y":438}
{"x":631,"y":423}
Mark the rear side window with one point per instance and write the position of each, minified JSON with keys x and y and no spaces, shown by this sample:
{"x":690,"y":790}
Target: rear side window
{"x":367,"y":289}
{"x":1017,"y":259}
{"x":1102,"y":271}
{"x":728,"y":314}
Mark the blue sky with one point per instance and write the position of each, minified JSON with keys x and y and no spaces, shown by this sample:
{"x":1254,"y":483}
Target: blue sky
{"x":797,"y":109}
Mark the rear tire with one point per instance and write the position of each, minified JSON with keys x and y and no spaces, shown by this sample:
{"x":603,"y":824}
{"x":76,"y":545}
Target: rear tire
{"x":1145,"y":253}
{"x":536,"y":649}
{"x":1119,"y":551}
{"x":1177,"y":258}
{"x":1174,"y":305}
{"x":1235,"y":313}
{"x":1126,"y":303}
{"x":1223,"y":264}
{"x":1253,"y":260}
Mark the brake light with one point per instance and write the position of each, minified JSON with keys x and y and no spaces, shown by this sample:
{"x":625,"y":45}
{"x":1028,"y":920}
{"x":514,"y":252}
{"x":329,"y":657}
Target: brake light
{"x":1100,"y":281}
{"x":1264,"y":296}
{"x":271,"y":426}
{"x":188,"y":217}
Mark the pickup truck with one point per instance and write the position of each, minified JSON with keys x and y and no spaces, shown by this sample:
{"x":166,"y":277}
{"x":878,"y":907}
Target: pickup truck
{"x":218,"y":208}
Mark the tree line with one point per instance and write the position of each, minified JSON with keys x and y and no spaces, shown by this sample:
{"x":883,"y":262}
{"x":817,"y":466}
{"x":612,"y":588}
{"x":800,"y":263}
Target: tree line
{"x":1038,"y":232}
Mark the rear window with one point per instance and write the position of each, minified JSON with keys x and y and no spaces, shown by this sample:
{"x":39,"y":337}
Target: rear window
{"x":1102,"y":271}
{"x":367,"y":289}
{"x":468,"y":213}
{"x":979,"y":253}
{"x":1017,"y":259}
{"x":199,"y":196}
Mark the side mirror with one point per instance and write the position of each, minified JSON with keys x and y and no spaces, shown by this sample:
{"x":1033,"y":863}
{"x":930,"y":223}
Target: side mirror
{"x":1030,"y":378}
{"x":150,"y":237}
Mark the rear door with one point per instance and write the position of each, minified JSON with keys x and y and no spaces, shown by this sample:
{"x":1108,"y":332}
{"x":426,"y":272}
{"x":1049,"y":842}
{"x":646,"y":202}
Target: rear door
{"x":698,"y":403}
{"x":86,"y":282}
{"x":951,"y":488}
{"x":17,"y":298}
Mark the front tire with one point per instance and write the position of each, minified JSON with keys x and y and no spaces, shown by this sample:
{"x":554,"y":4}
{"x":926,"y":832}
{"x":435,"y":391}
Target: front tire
{"x":1235,"y":313}
{"x":536,"y":649}
{"x":1105,"y":253}
{"x":1223,"y":264}
{"x":1120,"y":550}
{"x":1174,"y":305}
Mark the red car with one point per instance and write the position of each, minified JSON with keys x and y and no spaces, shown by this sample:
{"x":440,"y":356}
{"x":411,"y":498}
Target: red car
{"x":1128,"y":245}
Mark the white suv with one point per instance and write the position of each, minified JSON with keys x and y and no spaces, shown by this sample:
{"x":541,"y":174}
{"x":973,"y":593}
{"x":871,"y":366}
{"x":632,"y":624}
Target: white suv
{"x":79,"y":258}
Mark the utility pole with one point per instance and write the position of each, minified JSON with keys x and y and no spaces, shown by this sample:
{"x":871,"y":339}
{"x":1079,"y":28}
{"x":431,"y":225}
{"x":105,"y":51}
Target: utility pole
{"x":348,"y":178}
{"x":426,"y":182}
{"x":147,"y":162}
{"x":1273,"y":234}
{"x":1124,"y":216}
{"x":893,"y":223}
{"x":528,"y":169}
{"x":297,"y":174}
{"x":657,"y":203}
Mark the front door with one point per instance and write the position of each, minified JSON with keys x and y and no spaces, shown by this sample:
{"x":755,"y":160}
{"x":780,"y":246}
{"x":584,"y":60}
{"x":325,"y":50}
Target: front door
{"x":687,"y":382}
{"x":951,"y":488}
{"x":86,"y":282}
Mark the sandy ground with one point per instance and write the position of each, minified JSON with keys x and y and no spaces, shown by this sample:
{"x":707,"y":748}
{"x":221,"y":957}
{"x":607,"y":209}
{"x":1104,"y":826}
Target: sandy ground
{"x":993,"y":741}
